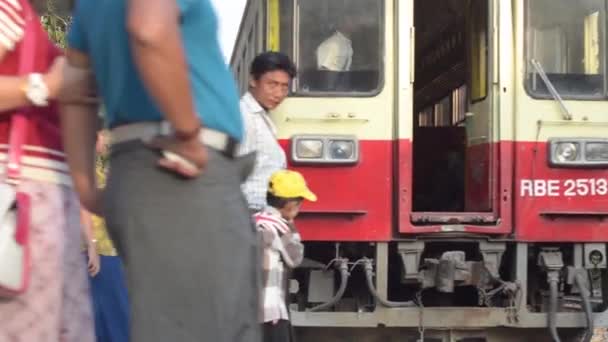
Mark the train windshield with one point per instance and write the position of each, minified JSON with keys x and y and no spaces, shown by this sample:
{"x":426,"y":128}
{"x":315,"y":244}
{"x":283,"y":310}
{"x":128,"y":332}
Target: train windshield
{"x":567,"y":40}
{"x":337,"y":45}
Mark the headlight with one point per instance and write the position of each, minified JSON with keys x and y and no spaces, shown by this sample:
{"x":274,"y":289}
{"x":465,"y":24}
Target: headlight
{"x":342,"y":149}
{"x":325,"y":149}
{"x":596,"y":151}
{"x":309,"y":148}
{"x":584,"y":152}
{"x":566,"y":152}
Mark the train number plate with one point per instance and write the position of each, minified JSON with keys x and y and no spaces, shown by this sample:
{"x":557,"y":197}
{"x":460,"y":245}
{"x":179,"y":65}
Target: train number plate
{"x":563,"y":187}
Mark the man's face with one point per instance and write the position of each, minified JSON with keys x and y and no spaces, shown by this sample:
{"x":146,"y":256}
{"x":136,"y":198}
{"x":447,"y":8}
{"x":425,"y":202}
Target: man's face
{"x":271,"y":88}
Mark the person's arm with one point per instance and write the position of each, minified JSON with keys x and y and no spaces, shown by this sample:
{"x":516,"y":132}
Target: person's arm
{"x":281,"y":237}
{"x":158,"y":52}
{"x":267,"y":235}
{"x":64,"y":86}
{"x":159,"y":55}
{"x":87,"y":230}
{"x":80,"y":123}
{"x":13,"y":88}
{"x":293,"y":249}
{"x":12,"y":93}
{"x":87,"y":226}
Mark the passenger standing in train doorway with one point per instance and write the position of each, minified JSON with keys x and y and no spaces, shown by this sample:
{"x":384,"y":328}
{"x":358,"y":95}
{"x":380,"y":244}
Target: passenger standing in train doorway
{"x":271,"y":75}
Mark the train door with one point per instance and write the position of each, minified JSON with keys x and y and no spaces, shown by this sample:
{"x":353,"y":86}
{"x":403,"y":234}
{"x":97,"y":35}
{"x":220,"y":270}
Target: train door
{"x":479,"y":174}
{"x":453,"y":169}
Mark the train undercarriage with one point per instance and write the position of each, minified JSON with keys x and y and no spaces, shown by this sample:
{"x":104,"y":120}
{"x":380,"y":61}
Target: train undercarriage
{"x":467,"y":290}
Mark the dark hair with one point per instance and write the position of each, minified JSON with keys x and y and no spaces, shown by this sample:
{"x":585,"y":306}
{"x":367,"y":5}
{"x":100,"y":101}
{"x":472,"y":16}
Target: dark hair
{"x":271,"y":61}
{"x":280,"y":202}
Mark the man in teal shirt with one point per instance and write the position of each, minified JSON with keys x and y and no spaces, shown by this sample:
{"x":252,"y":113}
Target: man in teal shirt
{"x":172,"y":202}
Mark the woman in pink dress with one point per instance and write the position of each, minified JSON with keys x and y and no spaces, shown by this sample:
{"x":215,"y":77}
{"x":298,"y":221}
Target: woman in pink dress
{"x":56,"y":306}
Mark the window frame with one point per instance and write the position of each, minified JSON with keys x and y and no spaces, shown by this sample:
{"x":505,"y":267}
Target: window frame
{"x":565,"y":96}
{"x":294,"y":50}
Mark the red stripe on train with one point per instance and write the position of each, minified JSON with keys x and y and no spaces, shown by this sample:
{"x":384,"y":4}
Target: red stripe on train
{"x":371,"y":201}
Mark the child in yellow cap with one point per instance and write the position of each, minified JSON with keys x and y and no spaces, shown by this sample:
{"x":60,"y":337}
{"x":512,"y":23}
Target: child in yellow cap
{"x":282,"y":248}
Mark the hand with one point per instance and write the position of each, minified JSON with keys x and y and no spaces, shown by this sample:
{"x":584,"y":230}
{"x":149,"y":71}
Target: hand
{"x":191,"y":149}
{"x":69,"y":84}
{"x":93,"y":264}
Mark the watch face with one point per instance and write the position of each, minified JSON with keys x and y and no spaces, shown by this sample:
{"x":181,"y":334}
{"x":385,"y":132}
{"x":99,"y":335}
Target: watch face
{"x":37,"y":91}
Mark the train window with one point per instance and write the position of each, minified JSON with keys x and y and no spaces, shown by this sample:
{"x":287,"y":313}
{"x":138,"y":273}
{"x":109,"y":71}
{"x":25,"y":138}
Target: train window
{"x":337,"y":45}
{"x":567,"y":41}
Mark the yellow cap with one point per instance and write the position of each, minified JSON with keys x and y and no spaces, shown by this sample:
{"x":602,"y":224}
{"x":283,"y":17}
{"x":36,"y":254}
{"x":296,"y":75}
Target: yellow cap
{"x":290,"y":184}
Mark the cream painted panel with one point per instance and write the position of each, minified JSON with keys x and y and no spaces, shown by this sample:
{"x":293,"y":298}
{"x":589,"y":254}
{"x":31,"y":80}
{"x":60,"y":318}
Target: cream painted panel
{"x":369,"y":118}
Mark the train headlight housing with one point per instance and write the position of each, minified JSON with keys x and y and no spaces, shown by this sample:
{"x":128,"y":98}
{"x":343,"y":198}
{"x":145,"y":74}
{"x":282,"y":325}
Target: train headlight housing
{"x":582,"y":152}
{"x":325,"y":149}
{"x":596,"y":151}
{"x":342,"y":149}
{"x":309,"y":149}
{"x":566,"y":152}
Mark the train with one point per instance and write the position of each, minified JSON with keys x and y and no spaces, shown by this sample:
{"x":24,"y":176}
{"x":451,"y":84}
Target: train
{"x":460,"y":161}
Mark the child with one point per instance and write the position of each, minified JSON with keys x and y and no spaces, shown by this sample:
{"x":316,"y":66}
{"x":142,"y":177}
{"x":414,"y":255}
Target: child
{"x":282,"y":249}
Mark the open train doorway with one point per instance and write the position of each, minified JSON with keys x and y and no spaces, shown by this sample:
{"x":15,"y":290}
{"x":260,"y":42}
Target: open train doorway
{"x":452,"y":140}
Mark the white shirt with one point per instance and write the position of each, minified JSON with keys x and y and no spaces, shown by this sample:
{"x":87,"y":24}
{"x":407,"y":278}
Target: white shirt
{"x":260,"y":137}
{"x":335,"y":53}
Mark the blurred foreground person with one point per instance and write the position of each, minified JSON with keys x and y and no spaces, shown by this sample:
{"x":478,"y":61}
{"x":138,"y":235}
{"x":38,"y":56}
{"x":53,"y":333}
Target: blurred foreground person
{"x":173,"y":204}
{"x":52,"y":302}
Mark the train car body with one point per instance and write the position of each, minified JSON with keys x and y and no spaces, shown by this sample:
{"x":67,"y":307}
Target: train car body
{"x":459,"y":152}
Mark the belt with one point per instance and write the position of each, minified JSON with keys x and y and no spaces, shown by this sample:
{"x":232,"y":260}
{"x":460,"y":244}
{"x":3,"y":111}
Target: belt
{"x":145,"y":131}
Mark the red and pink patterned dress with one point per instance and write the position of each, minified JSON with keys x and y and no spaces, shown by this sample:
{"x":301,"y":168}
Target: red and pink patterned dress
{"x":57,"y":305}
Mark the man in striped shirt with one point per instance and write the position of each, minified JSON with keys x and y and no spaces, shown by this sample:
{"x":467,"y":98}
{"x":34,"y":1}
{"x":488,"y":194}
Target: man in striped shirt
{"x":283,"y":249}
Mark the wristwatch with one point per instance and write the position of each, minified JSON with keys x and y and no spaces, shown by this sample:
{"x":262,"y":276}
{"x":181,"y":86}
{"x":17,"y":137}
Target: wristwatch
{"x":36,"y":90}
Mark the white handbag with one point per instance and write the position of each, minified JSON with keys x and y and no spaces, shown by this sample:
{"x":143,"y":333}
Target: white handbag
{"x":14,"y":247}
{"x":14,"y":204}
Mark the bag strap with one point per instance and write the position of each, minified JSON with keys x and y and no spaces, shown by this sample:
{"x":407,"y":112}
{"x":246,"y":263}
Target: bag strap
{"x":19,"y":120}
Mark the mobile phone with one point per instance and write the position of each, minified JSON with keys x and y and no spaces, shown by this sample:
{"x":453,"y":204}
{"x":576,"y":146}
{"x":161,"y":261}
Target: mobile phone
{"x":176,"y":158}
